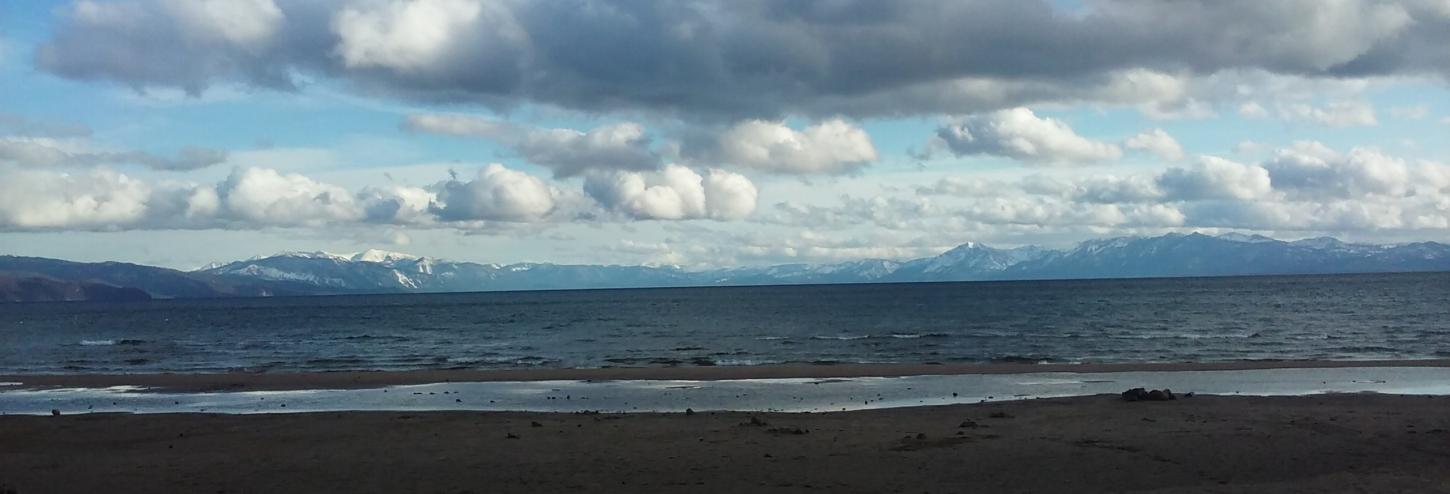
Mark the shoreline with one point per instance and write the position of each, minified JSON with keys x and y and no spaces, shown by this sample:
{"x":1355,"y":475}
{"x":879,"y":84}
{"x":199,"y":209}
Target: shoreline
{"x":238,"y":381}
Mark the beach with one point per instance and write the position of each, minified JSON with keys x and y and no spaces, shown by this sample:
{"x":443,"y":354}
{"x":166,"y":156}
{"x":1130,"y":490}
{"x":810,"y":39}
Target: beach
{"x":440,"y":431}
{"x":1323,"y":443}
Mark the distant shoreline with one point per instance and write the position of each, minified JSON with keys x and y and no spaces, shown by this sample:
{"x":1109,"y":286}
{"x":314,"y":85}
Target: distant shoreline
{"x":237,"y":381}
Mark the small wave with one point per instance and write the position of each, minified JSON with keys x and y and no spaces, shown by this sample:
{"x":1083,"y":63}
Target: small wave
{"x":840,"y":337}
{"x":1021,"y":359}
{"x":772,"y":338}
{"x":913,"y":336}
{"x":368,"y":337}
{"x":744,"y":362}
{"x":1366,"y":349}
{"x":124,"y":341}
{"x":1180,"y":336}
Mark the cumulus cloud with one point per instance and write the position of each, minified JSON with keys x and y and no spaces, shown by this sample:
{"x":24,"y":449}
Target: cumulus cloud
{"x":1216,"y":178}
{"x":268,"y":197}
{"x":1020,"y":134}
{"x":94,"y":199}
{"x":752,"y":58}
{"x":830,"y":147}
{"x":568,"y":152}
{"x":497,"y":194}
{"x":674,"y":193}
{"x":1156,"y":142}
{"x":253,"y":198}
{"x":1314,"y":170}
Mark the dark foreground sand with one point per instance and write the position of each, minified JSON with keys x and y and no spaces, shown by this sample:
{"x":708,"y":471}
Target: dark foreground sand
{"x":241,"y":381}
{"x":1332,"y":443}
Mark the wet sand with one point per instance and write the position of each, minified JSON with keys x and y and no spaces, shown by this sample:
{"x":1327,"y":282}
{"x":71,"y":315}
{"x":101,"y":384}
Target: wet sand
{"x":1326,"y":443}
{"x":237,"y":381}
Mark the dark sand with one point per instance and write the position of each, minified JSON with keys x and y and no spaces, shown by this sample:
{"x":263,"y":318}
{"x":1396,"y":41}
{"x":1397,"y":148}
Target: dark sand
{"x":1328,"y":443}
{"x":238,"y":381}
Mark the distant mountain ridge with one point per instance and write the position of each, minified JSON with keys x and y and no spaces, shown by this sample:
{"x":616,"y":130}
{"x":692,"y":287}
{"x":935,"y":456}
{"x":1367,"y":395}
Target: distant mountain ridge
{"x":376,"y":271}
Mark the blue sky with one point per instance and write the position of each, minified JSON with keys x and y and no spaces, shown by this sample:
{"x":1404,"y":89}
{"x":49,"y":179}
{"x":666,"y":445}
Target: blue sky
{"x":706,"y":133}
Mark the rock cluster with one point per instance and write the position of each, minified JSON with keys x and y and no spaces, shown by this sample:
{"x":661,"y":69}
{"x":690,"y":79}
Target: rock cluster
{"x":1140,"y":394}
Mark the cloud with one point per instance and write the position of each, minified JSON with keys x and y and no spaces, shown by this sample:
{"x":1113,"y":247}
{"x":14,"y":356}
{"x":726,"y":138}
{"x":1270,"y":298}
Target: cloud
{"x":1157,"y":142}
{"x":49,"y":151}
{"x":497,"y":194}
{"x":1314,"y":170}
{"x":1411,"y":112}
{"x":568,"y":152}
{"x":267,"y":197}
{"x":1215,"y":178}
{"x":94,"y":199}
{"x":1020,"y":134}
{"x":830,"y":147}
{"x":398,"y":204}
{"x":181,"y":43}
{"x":674,"y":193}
{"x":718,"y":59}
{"x":15,"y":125}
{"x":1334,"y":114}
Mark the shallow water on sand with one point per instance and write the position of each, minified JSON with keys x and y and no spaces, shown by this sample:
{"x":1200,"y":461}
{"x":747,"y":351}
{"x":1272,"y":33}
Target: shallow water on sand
{"x":1185,"y":320}
{"x":784,"y":395}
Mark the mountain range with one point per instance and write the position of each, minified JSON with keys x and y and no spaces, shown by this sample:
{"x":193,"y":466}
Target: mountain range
{"x":374,"y":271}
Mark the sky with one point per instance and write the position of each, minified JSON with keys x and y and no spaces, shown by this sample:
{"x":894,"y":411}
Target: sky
{"x":710,"y":133}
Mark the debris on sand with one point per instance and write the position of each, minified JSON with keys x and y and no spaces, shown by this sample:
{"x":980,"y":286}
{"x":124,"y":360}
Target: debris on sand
{"x":755,"y":422}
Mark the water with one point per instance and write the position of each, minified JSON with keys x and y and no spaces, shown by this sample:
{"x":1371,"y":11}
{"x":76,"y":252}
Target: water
{"x":1400,"y":316}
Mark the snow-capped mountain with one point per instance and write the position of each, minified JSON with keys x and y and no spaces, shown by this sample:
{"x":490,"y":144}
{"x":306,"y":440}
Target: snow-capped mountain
{"x":376,"y":271}
{"x":1168,"y":255}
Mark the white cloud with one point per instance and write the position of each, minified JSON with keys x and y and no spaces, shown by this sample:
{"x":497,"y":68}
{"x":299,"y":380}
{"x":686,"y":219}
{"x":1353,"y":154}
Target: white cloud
{"x":1020,"y":134}
{"x":267,"y":197}
{"x":674,"y":193}
{"x":497,"y":194}
{"x":1251,"y":109}
{"x":249,"y":24}
{"x":1215,"y":178}
{"x":1157,"y":142}
{"x":1333,"y":114}
{"x":568,"y":152}
{"x":94,"y":199}
{"x":1316,"y":171}
{"x":829,"y":147}
{"x":398,"y":204}
{"x":423,"y":38}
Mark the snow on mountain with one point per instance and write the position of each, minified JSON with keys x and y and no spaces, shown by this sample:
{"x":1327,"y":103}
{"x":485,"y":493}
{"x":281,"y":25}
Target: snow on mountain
{"x":382,"y":256}
{"x":1168,"y":255}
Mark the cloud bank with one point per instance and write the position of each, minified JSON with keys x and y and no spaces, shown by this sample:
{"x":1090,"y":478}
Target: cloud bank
{"x":736,"y":59}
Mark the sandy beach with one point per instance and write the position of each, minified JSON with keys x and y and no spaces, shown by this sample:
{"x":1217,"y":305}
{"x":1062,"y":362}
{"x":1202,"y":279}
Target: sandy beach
{"x":240,"y":381}
{"x":1327,"y":443}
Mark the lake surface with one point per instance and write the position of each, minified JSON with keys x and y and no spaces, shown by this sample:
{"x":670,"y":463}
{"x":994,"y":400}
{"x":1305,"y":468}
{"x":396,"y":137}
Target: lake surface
{"x":1397,"y":316}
